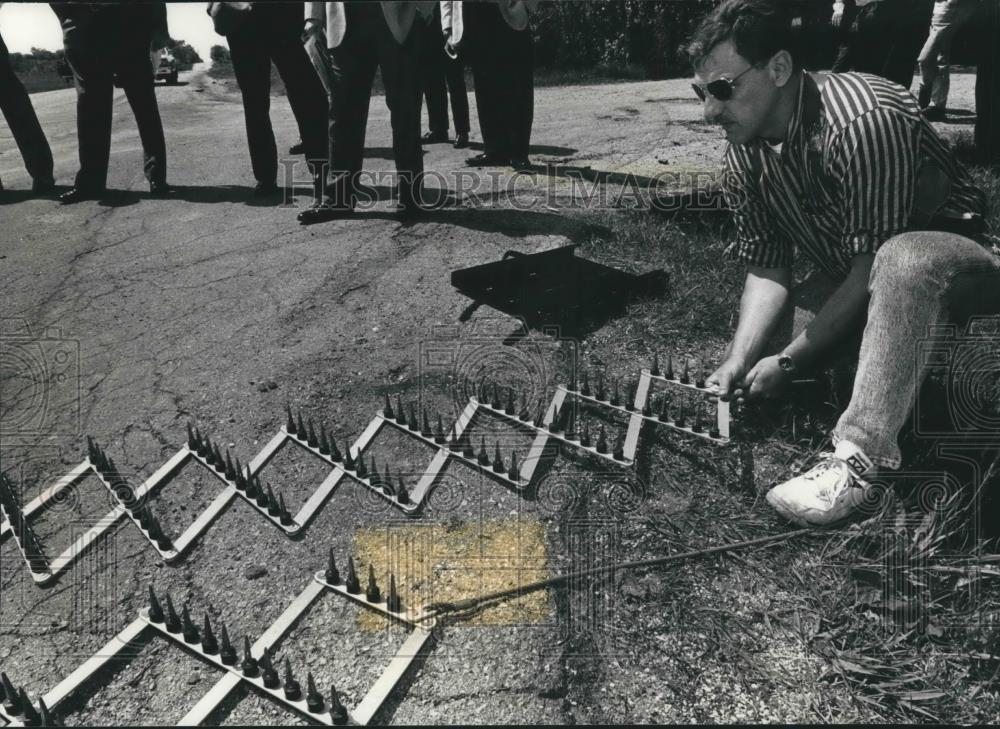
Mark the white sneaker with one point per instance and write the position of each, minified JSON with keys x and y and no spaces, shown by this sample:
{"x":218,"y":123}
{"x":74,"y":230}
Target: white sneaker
{"x":830,"y":492}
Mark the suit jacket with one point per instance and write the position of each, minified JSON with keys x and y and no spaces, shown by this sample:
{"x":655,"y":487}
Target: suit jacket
{"x":514,"y":12}
{"x":398,"y":15}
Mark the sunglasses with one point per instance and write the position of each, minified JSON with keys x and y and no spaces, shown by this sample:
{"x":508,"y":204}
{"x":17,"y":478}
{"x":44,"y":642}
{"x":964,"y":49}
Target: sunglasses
{"x":721,"y":89}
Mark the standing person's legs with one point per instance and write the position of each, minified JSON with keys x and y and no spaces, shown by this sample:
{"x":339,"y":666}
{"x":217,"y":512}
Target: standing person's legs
{"x":309,"y":103}
{"x":454,"y":71}
{"x":401,"y":75}
{"x":919,"y":281}
{"x":23,"y":123}
{"x":91,"y":63}
{"x":252,"y":68}
{"x":483,"y":23}
{"x":135,"y":71}
{"x":931,"y":60}
{"x":522,"y":94}
{"x":319,"y":56}
{"x":908,"y":22}
{"x":843,"y":58}
{"x":435,"y":91}
{"x":352,"y":71}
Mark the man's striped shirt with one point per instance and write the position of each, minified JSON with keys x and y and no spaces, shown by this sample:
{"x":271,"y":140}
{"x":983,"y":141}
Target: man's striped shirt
{"x":843,"y":181}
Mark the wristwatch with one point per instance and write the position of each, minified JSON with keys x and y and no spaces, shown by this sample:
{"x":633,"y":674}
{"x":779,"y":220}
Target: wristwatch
{"x":786,"y":363}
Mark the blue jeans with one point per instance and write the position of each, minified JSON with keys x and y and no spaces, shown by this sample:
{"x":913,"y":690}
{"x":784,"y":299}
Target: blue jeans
{"x":919,"y":281}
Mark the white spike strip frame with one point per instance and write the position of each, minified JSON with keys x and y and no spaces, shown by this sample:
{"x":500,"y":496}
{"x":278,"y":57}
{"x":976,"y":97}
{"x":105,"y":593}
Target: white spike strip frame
{"x":360,"y":715}
{"x":40,"y":501}
{"x":557,"y":402}
{"x":528,"y":464}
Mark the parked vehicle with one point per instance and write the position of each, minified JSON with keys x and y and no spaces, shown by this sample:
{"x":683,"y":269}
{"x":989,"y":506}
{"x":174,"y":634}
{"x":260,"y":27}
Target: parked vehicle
{"x":166,"y":69}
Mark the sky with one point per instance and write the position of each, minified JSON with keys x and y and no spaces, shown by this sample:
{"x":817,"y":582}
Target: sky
{"x":33,"y":25}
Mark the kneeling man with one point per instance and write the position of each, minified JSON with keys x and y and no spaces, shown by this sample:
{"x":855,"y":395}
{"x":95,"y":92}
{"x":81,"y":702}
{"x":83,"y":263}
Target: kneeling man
{"x":843,"y":169}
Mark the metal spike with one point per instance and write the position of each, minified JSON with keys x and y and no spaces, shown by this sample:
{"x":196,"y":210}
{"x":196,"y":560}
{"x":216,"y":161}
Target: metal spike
{"x":556,"y":425}
{"x":387,"y":410}
{"x":468,"y":451}
{"x":173,"y":621}
{"x":619,"y":452}
{"x":338,"y":714}
{"x":230,"y":468}
{"x":602,"y":441}
{"x":300,"y":427}
{"x":570,"y":424}
{"x":249,"y":666}
{"x":700,"y":381}
{"x":252,"y":486}
{"x":227,"y":653}
{"x":585,"y":388}
{"x":664,"y":415}
{"x":362,"y":469}
{"x":483,"y":457}
{"x":513,"y":473}
{"x":602,"y":393}
{"x":220,"y":465}
{"x":293,"y":692}
{"x":324,"y":442}
{"x":412,"y":424}
{"x":455,"y":442}
{"x":290,"y":422}
{"x":511,"y":407}
{"x":697,"y":426}
{"x":349,"y":463}
{"x":540,"y":416}
{"x":439,"y":436}
{"x":283,"y":513}
{"x":425,"y":425}
{"x":335,"y":453}
{"x":402,"y":495}
{"x":273,"y":507}
{"x":45,"y":717}
{"x":669,"y":374}
{"x":585,"y":438}
{"x":372,"y":594}
{"x":713,"y":429}
{"x":189,"y":629}
{"x":155,"y":609}
{"x":400,"y":413}
{"x":616,"y":398}
{"x":680,"y":417}
{"x":209,"y":644}
{"x":11,"y":704}
{"x":385,"y":481}
{"x":655,"y":369}
{"x":686,"y":375}
{"x":268,"y":674}
{"x":352,"y":584}
{"x":263,"y":497}
{"x":311,"y":440}
{"x":31,"y":717}
{"x":495,"y":403}
{"x":314,"y":699}
{"x":374,"y":478}
{"x":393,"y":603}
{"x":199,"y":443}
{"x":630,"y":400}
{"x":332,"y":574}
{"x":497,"y":459}
{"x":241,"y":480}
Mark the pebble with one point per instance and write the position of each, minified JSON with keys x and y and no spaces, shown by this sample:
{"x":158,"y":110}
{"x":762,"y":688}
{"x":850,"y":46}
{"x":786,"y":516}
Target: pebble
{"x":254,"y":572}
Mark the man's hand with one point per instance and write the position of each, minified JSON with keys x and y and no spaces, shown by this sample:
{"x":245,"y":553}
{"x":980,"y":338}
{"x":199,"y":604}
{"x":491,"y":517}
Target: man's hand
{"x":727,"y":381}
{"x":838,"y":15}
{"x":766,"y":379}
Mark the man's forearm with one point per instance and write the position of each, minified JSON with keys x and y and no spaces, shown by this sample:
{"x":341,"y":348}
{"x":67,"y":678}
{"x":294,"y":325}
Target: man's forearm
{"x":765,"y":295}
{"x":837,"y":318}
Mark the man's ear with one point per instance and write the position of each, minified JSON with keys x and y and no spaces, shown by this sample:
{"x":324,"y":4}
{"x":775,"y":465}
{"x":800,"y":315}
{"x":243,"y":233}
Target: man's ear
{"x":781,"y":67}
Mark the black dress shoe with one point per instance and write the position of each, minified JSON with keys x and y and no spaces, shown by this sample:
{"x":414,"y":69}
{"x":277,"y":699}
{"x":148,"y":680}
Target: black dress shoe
{"x":299,"y":148}
{"x":521,"y":163}
{"x":434,"y":137}
{"x":461,"y":141}
{"x":159,"y":189}
{"x":265,"y":189}
{"x":934,"y":113}
{"x":320,"y":213}
{"x":486,"y":160}
{"x":79,"y":194}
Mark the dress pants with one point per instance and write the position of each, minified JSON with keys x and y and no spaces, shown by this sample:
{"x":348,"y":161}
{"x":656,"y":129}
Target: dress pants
{"x":101,"y":45}
{"x":885,"y":39}
{"x":443,"y":77}
{"x":368,"y":45}
{"x":935,"y":57}
{"x":23,"y":123}
{"x":503,"y":71}
{"x":271,"y":32}
{"x":988,"y":84}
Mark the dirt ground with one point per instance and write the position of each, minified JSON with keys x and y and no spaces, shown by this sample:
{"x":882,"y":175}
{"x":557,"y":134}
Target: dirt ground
{"x":213,"y":308}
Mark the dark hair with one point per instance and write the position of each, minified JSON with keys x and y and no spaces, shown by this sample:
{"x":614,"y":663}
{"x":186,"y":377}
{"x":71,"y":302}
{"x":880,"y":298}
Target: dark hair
{"x":757,"y":28}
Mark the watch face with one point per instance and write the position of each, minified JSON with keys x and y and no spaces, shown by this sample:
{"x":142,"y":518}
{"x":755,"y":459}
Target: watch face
{"x":785,"y":362}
